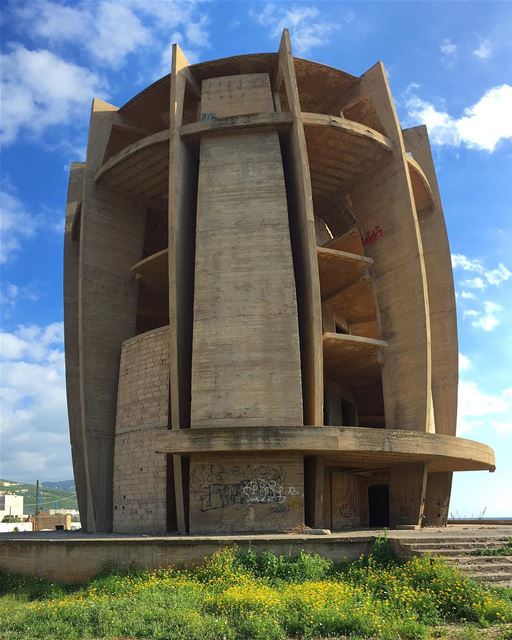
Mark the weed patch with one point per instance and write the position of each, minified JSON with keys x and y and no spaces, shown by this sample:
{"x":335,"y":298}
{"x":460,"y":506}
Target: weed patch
{"x":251,"y":596}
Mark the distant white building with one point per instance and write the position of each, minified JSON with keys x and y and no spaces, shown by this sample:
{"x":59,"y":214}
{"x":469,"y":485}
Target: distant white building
{"x":10,"y":505}
{"x":63,"y":512}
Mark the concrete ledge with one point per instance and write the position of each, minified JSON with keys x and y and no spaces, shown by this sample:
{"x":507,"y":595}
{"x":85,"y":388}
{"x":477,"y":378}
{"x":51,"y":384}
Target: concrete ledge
{"x":358,"y":446}
{"x":76,"y":558}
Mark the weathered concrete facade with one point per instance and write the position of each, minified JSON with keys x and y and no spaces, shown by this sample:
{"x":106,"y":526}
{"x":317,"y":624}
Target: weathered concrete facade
{"x":259,"y":307}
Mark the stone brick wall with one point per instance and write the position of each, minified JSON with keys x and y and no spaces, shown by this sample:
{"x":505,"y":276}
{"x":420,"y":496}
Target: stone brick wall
{"x":142,"y":411}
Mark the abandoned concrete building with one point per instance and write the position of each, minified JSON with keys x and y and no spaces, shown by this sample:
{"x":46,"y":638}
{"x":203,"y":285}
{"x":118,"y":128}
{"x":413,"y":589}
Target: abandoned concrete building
{"x":260,"y":314}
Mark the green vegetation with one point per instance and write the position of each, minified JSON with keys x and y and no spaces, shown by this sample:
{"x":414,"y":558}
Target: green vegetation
{"x":254,"y":596}
{"x":10,"y":519}
{"x":504,"y":550}
{"x":51,"y":498}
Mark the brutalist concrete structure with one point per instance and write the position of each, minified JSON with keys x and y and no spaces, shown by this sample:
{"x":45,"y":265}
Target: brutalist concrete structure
{"x":259,"y":307}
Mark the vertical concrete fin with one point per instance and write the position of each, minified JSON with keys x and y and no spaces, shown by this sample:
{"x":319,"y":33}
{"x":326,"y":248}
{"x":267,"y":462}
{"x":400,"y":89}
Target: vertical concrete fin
{"x":441,"y":292}
{"x":182,"y":206}
{"x":302,"y":228}
{"x":111,"y":241}
{"x":385,"y":200}
{"x":72,"y":354}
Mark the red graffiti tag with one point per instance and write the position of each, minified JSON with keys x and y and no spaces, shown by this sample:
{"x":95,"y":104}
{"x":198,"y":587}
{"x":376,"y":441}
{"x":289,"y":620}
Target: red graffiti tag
{"x":372,"y":236}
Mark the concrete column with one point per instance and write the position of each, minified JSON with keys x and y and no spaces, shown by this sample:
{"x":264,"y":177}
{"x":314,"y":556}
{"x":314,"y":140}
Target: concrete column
{"x":407,"y":486}
{"x":437,"y":502}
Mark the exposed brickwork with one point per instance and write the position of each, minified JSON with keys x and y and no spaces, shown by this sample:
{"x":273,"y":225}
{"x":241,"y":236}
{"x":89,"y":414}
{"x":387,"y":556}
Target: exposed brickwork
{"x":142,"y":411}
{"x":143,"y":394}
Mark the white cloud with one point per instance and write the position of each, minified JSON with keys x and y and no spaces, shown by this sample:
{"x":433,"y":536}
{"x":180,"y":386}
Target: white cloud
{"x":467,"y":295}
{"x":484,"y":50}
{"x":488,"y":320}
{"x":307,"y":28}
{"x":34,"y":415}
{"x":477,"y":408}
{"x":460,"y":260}
{"x":487,"y":276}
{"x":197,"y":34}
{"x":464,"y":362}
{"x":474,"y":283}
{"x":117,"y":33}
{"x":53,"y":21}
{"x":482,"y":126}
{"x":11,"y":294}
{"x":109,"y":31}
{"x":17,"y":224}
{"x":39,"y":90}
{"x":498,"y":275}
{"x":447,"y":47}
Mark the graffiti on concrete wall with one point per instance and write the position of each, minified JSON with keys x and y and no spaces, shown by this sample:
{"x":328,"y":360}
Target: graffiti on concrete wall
{"x":219,"y":489}
{"x":373,"y":236}
{"x":345,"y":500}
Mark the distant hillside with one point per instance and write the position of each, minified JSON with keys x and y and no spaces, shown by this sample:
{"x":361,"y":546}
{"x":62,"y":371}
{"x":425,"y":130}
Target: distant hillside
{"x":52,"y":498}
{"x":63,"y":485}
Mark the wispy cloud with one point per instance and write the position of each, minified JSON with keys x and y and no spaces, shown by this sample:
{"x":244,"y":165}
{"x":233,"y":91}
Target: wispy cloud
{"x":483,"y":314}
{"x":35,"y":438}
{"x":486,"y":319}
{"x":484,"y":50}
{"x":18,"y":223}
{"x":482,"y":126}
{"x":477,"y":408}
{"x":447,"y":47}
{"x":486,"y":276}
{"x":11,"y":294}
{"x":464,"y":362}
{"x":308,"y":29}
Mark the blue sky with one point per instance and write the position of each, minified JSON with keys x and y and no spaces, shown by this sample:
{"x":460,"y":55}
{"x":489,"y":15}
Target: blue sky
{"x":450,"y":66}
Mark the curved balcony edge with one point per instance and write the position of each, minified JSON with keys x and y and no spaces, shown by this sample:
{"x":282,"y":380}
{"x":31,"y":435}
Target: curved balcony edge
{"x":354,"y":446}
{"x":131,"y":150}
{"x":350,"y":126}
{"x":428,"y":203}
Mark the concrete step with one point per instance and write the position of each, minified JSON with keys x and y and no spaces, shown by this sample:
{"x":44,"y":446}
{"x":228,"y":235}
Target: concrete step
{"x":453,"y":544}
{"x":497,"y":579}
{"x":483,"y":567}
{"x":448,"y":553}
{"x":468,"y":560}
{"x":450,"y":539}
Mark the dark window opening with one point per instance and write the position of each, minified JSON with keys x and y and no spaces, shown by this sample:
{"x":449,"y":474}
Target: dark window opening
{"x":326,"y":406}
{"x":378,"y":505}
{"x":309,"y":490}
{"x":348,"y":413}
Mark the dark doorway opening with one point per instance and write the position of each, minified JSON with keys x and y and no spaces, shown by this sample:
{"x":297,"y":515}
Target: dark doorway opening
{"x":378,"y":505}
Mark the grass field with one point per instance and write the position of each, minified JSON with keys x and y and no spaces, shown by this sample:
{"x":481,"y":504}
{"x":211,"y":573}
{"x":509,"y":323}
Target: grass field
{"x":261,"y":597}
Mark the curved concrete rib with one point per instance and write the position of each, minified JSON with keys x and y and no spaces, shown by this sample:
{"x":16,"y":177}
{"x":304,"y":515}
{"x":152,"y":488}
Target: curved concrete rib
{"x":441,"y":293}
{"x":385,"y":202}
{"x":72,"y":353}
